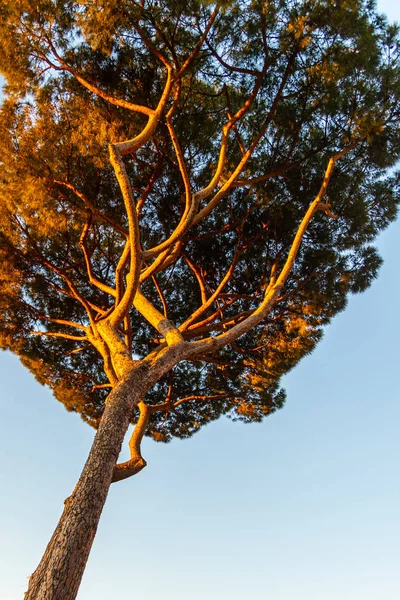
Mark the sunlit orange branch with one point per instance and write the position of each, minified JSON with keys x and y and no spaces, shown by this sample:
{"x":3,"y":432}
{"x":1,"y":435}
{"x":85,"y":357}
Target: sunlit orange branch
{"x":151,"y":47}
{"x":125,"y":303}
{"x":202,"y":309}
{"x":163,"y":325}
{"x":198,"y":276}
{"x":277,"y":281}
{"x":119,"y":271}
{"x":103,"y":349}
{"x":206,"y":191}
{"x":80,"y":349}
{"x":41,"y":317}
{"x":197,"y":330}
{"x":149,"y":187}
{"x":136,"y":462}
{"x":167,"y":406}
{"x":228,"y":184}
{"x":162,"y":262}
{"x":238,"y":137}
{"x":161,"y":295}
{"x":202,"y":398}
{"x":69,"y":294}
{"x":66,"y":336}
{"x":199,"y":44}
{"x":212,"y":318}
{"x":128,"y":332}
{"x":190,"y":205}
{"x":92,"y":88}
{"x":116,"y":152}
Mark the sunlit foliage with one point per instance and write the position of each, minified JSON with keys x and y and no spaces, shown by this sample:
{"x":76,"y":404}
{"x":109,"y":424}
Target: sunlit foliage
{"x":319,"y":76}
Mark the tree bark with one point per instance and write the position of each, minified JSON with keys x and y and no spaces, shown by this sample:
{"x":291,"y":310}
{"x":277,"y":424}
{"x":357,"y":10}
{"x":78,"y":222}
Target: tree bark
{"x":60,"y":571}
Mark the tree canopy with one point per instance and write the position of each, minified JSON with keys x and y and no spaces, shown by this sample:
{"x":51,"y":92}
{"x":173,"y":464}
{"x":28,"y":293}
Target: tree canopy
{"x":163,"y":164}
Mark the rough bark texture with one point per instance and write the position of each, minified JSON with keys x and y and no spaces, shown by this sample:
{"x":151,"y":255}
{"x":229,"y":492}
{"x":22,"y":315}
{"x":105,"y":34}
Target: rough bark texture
{"x":60,"y":571}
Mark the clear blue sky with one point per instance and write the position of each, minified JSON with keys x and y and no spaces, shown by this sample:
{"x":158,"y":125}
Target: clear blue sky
{"x":304,"y":506}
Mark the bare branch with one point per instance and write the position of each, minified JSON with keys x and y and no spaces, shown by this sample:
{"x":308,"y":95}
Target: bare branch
{"x":161,"y":295}
{"x":198,"y":276}
{"x":276,"y":282}
{"x":199,"y":44}
{"x":38,"y":315}
{"x":66,"y":336}
{"x":198,"y":397}
{"x":91,"y":207}
{"x":152,"y":48}
{"x":164,"y":326}
{"x":232,"y":68}
{"x":228,"y":184}
{"x":93,"y":280}
{"x":162,"y":262}
{"x":136,"y":462}
{"x":202,"y":309}
{"x":116,"y":152}
{"x":190,"y":204}
{"x":91,"y":87}
{"x":101,"y":386}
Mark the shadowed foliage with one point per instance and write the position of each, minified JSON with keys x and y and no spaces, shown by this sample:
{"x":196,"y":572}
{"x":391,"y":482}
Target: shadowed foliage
{"x":322,"y":79}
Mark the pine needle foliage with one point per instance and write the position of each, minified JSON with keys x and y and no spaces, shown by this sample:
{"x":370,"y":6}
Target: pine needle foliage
{"x":252,"y":100}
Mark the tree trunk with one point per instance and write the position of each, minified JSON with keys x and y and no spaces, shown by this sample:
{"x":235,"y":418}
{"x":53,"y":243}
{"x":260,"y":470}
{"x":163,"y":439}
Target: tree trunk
{"x":60,"y":571}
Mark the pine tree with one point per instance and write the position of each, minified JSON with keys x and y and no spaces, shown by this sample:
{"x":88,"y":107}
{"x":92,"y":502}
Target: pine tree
{"x":189,"y":193}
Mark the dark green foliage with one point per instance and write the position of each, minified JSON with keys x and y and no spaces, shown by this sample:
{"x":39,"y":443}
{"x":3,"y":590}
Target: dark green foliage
{"x":331,"y":76}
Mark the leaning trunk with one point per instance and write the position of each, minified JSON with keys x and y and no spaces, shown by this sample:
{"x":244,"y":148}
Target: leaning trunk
{"x":60,"y":571}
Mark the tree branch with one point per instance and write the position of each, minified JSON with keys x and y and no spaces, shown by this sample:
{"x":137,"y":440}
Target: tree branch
{"x":92,"y":207}
{"x":91,"y":87}
{"x":190,"y":203}
{"x":277,"y":281}
{"x":66,"y":336}
{"x":93,"y":280}
{"x":198,"y":276}
{"x":136,"y":462}
{"x":202,"y":309}
{"x":199,"y":44}
{"x":117,"y":151}
{"x":245,"y":157}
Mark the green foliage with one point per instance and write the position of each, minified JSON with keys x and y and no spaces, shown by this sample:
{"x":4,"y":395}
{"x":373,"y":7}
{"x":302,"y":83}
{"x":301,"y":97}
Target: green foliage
{"x":331,"y":76}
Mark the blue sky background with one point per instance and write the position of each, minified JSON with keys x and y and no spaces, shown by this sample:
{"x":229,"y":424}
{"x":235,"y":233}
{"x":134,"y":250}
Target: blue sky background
{"x":304,"y":506}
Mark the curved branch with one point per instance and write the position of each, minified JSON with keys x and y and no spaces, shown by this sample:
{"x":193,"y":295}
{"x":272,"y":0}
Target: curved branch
{"x":63,"y":275}
{"x":199,"y":44}
{"x":92,"y":279}
{"x":125,"y":303}
{"x":151,"y":47}
{"x":198,"y":397}
{"x":117,"y":151}
{"x":61,"y":335}
{"x":161,"y":295}
{"x":202,"y":309}
{"x":38,"y":315}
{"x":162,"y":262}
{"x":277,"y":281}
{"x":190,"y":203}
{"x":92,"y":207}
{"x":94,"y":89}
{"x":136,"y":462}
{"x":198,"y":276}
{"x":245,"y":157}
